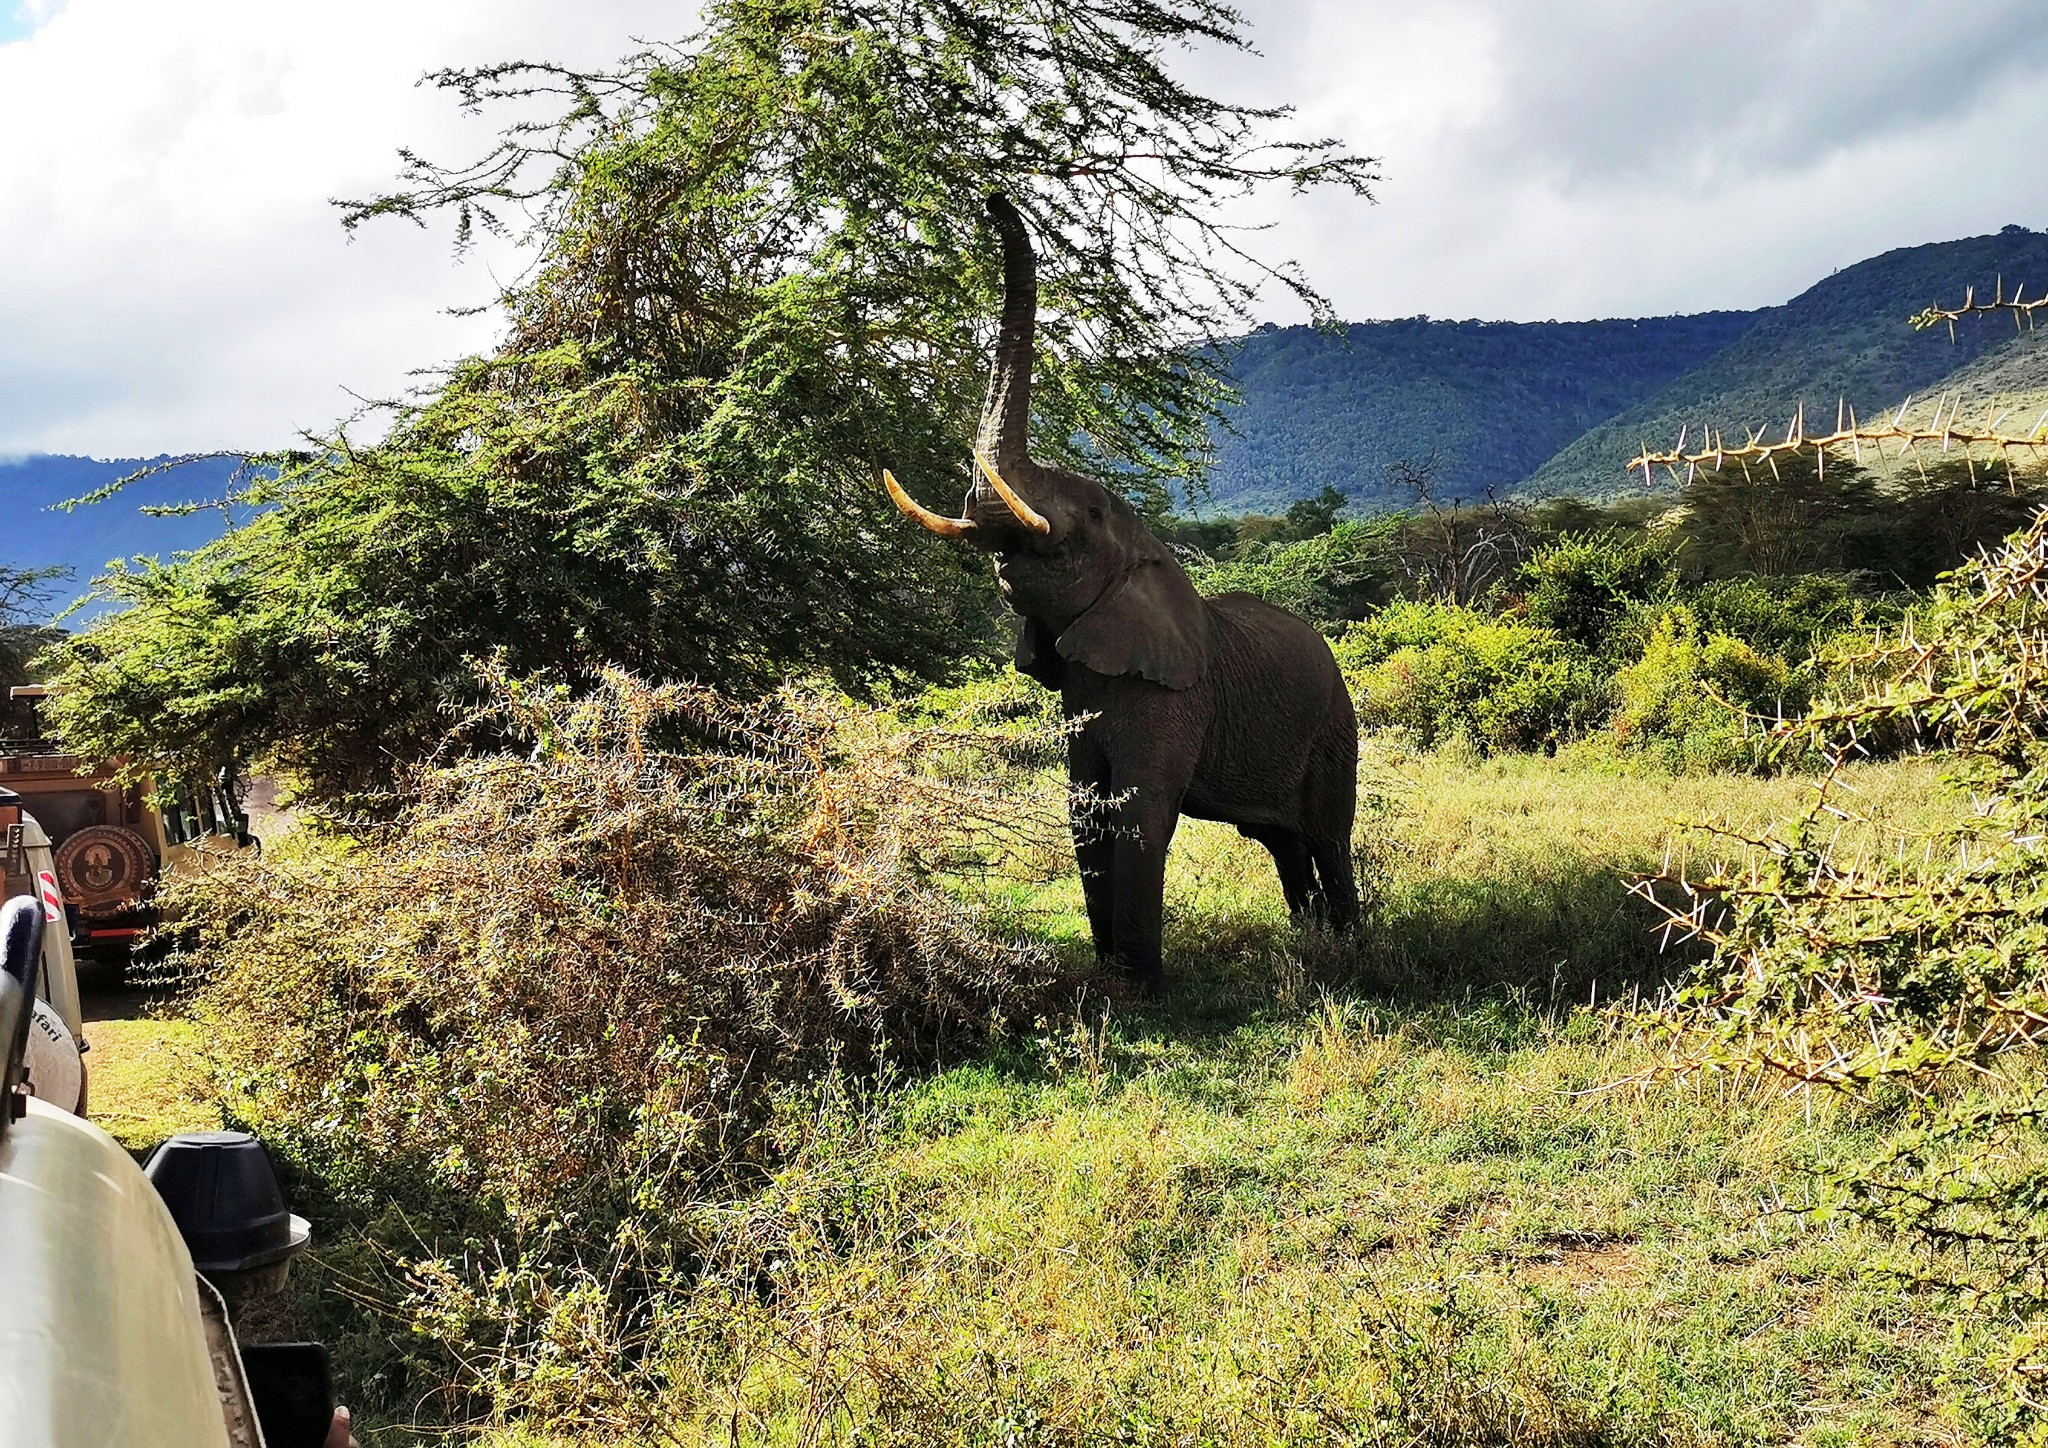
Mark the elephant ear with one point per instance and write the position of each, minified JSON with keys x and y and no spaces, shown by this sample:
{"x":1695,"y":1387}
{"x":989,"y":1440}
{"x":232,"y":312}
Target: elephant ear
{"x":1154,"y":626}
{"x":1038,"y":654}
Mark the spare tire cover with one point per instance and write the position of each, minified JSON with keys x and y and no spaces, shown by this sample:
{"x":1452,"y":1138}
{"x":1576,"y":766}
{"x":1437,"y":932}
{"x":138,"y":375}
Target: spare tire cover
{"x":105,"y":869}
{"x":55,"y":1072}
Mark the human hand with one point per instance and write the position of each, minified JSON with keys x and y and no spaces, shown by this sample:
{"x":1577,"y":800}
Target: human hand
{"x":338,"y":1435}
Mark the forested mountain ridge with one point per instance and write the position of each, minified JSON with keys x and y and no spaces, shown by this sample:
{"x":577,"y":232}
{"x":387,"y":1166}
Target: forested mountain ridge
{"x":1548,"y":408}
{"x":1559,"y":407}
{"x":1846,"y":338}
{"x":40,"y":534}
{"x":1491,"y":400}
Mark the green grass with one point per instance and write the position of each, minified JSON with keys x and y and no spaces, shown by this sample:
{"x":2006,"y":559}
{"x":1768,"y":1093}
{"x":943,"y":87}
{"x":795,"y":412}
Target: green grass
{"x":1414,"y":1195}
{"x":1345,"y":1226}
{"x":1410,"y":1193}
{"x":148,"y":1079}
{"x":1508,"y":872}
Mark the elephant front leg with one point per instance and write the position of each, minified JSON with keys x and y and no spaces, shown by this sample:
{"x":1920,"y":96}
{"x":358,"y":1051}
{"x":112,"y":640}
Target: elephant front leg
{"x":1094,"y":822}
{"x":1095,"y":853}
{"x":1138,"y":874}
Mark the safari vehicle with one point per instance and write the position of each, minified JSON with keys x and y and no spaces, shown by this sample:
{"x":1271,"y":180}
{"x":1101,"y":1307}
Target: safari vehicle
{"x":115,"y":1321}
{"x":56,"y":1040}
{"x":112,"y":841}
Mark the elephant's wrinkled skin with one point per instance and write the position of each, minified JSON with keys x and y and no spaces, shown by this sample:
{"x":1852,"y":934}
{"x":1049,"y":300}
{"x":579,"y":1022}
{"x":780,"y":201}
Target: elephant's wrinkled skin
{"x":1224,"y":708}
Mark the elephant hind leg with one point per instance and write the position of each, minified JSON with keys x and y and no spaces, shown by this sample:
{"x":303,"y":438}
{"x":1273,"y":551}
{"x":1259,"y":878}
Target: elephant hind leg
{"x":1329,"y":809}
{"x":1339,"y":884}
{"x":1292,"y":859}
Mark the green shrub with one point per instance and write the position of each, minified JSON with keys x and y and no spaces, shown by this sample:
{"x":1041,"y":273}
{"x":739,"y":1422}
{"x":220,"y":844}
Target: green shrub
{"x":1441,"y":670}
{"x":516,"y":1037}
{"x":1916,"y":973}
{"x":1791,"y":617}
{"x":1327,"y":579}
{"x":1687,"y":700}
{"x":996,"y":699}
{"x":1584,"y":584}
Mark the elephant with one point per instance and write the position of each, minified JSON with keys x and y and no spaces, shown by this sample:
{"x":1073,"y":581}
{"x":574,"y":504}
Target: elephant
{"x":1223,"y":708}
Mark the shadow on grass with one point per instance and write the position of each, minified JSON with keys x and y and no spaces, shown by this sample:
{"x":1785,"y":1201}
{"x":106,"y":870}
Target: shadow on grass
{"x":1560,"y":937}
{"x":1483,"y":966}
{"x":1536,"y":944}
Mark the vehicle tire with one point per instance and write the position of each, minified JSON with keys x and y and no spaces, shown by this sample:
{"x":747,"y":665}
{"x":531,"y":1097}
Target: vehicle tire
{"x":105,"y":870}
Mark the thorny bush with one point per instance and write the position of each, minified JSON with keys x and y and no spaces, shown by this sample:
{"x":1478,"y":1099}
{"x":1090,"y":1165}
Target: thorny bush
{"x":521,"y":1037}
{"x":1917,"y":975}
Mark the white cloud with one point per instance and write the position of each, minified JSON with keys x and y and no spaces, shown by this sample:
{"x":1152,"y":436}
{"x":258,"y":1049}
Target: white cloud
{"x":171,"y":273}
{"x":172,"y":277}
{"x":1601,"y":158}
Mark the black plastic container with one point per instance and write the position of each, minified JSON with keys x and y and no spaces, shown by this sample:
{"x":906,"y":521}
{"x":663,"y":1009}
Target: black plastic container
{"x":223,"y":1193}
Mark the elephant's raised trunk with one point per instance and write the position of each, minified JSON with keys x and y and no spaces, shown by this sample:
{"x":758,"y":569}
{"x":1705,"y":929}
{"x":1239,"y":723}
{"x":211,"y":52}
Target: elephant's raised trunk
{"x":1005,"y":435}
{"x":1003,"y":442}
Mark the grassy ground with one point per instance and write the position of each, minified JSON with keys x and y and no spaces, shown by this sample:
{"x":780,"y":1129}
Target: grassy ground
{"x":148,"y":1077}
{"x":1393,"y":1196}
{"x":1348,"y":1226}
{"x":1508,"y":871}
{"x":1311,"y":1201}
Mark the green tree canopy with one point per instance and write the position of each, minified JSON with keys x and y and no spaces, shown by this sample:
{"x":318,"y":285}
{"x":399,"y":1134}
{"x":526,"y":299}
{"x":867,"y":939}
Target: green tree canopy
{"x":761,"y":276}
{"x":25,"y":595}
{"x":1309,"y":517}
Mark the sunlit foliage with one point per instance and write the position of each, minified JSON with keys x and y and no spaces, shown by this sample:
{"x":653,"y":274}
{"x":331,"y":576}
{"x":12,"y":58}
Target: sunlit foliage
{"x":760,"y":276}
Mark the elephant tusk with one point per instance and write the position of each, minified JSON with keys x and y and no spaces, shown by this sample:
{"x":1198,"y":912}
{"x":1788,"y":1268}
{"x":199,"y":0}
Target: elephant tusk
{"x":1029,"y":516}
{"x":943,"y":526}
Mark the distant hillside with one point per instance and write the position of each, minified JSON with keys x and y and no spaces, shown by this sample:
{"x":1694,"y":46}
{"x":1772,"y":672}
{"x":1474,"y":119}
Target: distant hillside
{"x":86,"y":539}
{"x":1844,"y":338}
{"x":2011,"y":378}
{"x":1539,"y":407}
{"x":1493,"y":400}
{"x":1559,"y":407}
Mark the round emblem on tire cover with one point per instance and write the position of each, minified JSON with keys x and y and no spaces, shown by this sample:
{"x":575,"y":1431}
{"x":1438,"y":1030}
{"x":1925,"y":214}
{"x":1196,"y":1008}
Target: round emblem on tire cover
{"x":105,"y":869}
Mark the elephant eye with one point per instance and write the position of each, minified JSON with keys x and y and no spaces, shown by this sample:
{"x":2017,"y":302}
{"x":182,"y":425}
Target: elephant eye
{"x":1095,"y":513}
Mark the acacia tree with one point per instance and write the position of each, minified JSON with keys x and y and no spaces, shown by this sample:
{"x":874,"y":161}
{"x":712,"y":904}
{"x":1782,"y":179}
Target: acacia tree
{"x":760,"y":276}
{"x":25,"y":595}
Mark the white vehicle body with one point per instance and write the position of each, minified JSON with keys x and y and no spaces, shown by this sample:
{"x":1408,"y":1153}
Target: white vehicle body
{"x":31,"y":869}
{"x":110,"y":1331}
{"x":88,"y":1355}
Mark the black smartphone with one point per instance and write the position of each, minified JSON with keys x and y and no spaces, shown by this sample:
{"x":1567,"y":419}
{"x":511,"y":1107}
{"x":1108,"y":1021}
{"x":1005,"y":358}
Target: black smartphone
{"x":291,"y":1385}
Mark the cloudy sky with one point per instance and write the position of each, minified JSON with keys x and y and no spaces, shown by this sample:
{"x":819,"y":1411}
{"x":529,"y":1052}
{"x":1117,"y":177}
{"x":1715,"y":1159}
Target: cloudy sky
{"x":172,"y":277}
